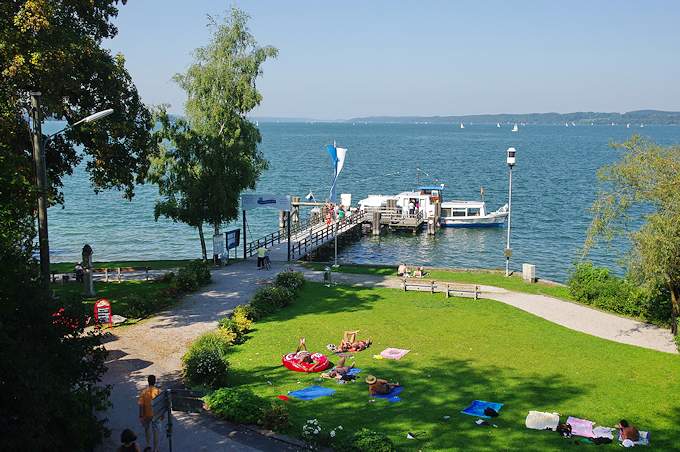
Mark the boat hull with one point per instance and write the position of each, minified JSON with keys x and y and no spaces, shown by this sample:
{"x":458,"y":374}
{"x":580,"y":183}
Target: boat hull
{"x":489,"y":222}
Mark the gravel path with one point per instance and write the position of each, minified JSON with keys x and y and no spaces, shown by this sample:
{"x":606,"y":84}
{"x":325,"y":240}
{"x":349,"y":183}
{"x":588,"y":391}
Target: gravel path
{"x":156,"y":345}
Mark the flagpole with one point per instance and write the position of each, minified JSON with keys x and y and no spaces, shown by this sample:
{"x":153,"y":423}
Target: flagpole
{"x":335,"y":211}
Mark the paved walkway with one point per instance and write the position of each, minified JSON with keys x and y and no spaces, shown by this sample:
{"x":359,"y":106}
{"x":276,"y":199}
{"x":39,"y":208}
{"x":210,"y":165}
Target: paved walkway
{"x":571,"y":315}
{"x":156,"y":345}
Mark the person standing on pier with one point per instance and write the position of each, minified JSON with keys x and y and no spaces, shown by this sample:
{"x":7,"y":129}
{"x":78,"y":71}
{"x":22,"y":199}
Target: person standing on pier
{"x":261,"y":253}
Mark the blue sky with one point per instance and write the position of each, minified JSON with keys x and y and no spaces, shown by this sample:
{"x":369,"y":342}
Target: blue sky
{"x":360,"y":58}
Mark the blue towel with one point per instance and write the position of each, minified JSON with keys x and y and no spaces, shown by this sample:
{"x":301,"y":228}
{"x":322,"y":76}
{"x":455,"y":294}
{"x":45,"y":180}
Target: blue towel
{"x":312,"y":392}
{"x":477,"y":408}
{"x":354,"y":371}
{"x":393,"y":395}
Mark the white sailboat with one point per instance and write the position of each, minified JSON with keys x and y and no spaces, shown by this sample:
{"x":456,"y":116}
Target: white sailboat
{"x":573,"y":124}
{"x":515,"y":128}
{"x":462,"y":126}
{"x":628,"y":126}
{"x":566,"y":124}
{"x":612,"y":123}
{"x":642,"y":125}
{"x":498,"y":124}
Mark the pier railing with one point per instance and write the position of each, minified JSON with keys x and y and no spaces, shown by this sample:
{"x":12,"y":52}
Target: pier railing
{"x":278,"y":236}
{"x":317,"y":238}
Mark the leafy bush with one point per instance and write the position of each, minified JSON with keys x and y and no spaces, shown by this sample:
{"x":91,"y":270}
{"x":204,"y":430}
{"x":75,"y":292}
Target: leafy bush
{"x":238,"y":324}
{"x":246,"y":311}
{"x":238,"y":405}
{"x":275,"y":417}
{"x":293,"y":281}
{"x":268,"y":300}
{"x":598,"y":287}
{"x":369,"y":441}
{"x":193,"y":275}
{"x":205,"y":363}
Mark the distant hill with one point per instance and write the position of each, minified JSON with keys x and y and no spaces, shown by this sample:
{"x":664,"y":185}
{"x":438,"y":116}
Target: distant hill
{"x":581,"y":117}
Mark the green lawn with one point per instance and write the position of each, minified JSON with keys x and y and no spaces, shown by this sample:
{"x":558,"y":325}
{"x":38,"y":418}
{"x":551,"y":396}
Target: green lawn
{"x":461,"y":350}
{"x":489,"y":278}
{"x":152,"y":264}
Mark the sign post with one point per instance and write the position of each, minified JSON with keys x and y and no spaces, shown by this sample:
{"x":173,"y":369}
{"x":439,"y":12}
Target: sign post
{"x":102,"y":312}
{"x":232,"y":239}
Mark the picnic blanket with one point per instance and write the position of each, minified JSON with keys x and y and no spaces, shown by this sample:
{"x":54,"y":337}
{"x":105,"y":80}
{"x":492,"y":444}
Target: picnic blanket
{"x":393,"y":353}
{"x":539,"y":420}
{"x":603,"y":432}
{"x":477,"y":408}
{"x":312,"y":392}
{"x":581,"y":427}
{"x":643,"y":441}
{"x":393,"y":395}
{"x":354,"y":371}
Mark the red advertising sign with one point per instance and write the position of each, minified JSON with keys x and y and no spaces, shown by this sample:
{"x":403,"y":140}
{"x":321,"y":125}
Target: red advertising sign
{"x":102,"y":312}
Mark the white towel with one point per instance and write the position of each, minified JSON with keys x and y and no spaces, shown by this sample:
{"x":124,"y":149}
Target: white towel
{"x":542,"y":421}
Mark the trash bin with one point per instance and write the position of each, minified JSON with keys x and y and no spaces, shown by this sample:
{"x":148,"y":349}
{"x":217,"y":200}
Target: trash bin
{"x":327,"y":278}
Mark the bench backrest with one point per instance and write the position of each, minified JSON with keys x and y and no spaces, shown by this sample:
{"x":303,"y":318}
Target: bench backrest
{"x":463,"y":287}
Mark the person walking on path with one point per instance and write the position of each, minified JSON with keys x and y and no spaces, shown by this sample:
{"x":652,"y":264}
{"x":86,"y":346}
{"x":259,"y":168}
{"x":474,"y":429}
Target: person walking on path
{"x":146,"y":414}
{"x":261,"y":253}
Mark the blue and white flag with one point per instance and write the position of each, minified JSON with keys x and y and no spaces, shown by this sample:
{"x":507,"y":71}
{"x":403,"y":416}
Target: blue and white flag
{"x":338,"y":161}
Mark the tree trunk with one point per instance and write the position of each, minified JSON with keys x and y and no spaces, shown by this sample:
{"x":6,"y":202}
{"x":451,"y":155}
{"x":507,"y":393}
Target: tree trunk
{"x":216,"y":257}
{"x":675,"y":307}
{"x":204,"y":252}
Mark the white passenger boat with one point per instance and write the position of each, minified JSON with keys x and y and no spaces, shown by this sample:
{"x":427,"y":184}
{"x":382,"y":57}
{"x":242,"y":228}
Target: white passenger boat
{"x":468,"y":214}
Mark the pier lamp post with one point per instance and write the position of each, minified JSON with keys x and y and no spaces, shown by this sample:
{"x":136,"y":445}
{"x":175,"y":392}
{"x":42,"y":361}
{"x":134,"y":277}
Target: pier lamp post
{"x":39,"y":144}
{"x":508,"y":251}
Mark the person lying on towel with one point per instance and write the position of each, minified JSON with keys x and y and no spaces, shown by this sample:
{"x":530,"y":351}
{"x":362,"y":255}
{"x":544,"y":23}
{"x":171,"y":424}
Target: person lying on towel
{"x":357,"y":346}
{"x":628,"y":431}
{"x":378,"y":386}
{"x":340,"y":371}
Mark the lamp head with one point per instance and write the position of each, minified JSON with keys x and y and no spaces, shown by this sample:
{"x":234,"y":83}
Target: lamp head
{"x":98,"y":115}
{"x":511,"y":156}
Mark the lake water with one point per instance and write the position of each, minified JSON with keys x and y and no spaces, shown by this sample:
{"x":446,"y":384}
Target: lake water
{"x":554,"y":184}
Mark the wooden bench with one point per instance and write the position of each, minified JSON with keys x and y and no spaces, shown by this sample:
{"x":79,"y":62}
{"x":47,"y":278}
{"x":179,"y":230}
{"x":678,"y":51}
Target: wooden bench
{"x":418,"y":283}
{"x":466,"y":290}
{"x":119,"y":270}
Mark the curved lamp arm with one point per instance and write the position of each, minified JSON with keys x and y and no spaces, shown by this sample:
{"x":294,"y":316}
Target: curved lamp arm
{"x":93,"y":117}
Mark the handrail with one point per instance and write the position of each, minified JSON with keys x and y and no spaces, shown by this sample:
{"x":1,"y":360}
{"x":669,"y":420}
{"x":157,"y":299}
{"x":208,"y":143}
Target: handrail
{"x":311,"y":242}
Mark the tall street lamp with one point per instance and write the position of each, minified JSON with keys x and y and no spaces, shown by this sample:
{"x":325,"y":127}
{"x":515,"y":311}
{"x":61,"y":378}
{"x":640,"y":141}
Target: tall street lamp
{"x":41,"y":176}
{"x":508,"y":251}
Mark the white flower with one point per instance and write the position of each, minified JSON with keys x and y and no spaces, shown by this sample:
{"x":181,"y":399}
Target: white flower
{"x":332,"y":433}
{"x":339,"y":427}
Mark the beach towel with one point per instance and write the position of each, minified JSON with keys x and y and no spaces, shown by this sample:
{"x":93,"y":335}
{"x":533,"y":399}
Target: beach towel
{"x":393,"y":395}
{"x":643,"y":441}
{"x":603,"y":432}
{"x":477,"y":408}
{"x":539,"y":420}
{"x":393,"y":353}
{"x":581,"y":427}
{"x":311,"y":393}
{"x":354,"y":371}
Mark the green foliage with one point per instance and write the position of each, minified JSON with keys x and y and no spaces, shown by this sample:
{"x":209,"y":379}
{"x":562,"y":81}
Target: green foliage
{"x":291,"y":280}
{"x":205,"y":363}
{"x":366,"y":440}
{"x":237,"y":324}
{"x":268,"y":300}
{"x":207,"y":159}
{"x":50,"y":370}
{"x":246,"y":311}
{"x":647,"y":177}
{"x":596,"y":286}
{"x":239,"y":405}
{"x":275,"y":417}
{"x":195,"y":274}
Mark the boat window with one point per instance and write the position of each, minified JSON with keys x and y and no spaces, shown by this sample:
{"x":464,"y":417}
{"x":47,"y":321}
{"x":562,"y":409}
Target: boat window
{"x":458,"y":212}
{"x":446,"y":211}
{"x":473,"y":212}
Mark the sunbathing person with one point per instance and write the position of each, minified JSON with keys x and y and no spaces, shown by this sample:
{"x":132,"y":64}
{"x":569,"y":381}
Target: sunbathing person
{"x":378,"y":386}
{"x":356,"y":346}
{"x":402,"y":270}
{"x":302,"y":353}
{"x":628,"y":431}
{"x":340,"y":371}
